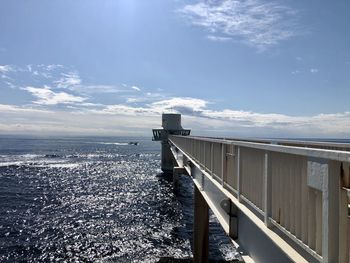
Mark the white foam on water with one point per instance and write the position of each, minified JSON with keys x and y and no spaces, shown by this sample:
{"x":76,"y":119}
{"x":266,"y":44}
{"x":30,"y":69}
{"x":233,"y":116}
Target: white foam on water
{"x":29,"y":156}
{"x":114,"y":143}
{"x":63,"y":165}
{"x":39,"y":163}
{"x":110,"y":143}
{"x":5,"y":164}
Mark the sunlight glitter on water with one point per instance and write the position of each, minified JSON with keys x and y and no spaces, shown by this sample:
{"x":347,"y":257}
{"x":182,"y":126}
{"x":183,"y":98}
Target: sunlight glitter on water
{"x":107,"y":207}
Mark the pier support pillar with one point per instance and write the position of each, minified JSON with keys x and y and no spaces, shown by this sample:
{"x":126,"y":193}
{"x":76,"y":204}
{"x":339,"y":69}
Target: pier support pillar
{"x":167,"y":159}
{"x":176,"y":177}
{"x":200,"y":228}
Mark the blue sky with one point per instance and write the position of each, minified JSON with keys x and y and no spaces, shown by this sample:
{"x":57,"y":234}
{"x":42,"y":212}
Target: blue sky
{"x":238,"y":68}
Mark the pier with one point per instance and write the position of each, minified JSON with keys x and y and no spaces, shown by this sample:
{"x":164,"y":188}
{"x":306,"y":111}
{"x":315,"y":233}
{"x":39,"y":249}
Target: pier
{"x":279,"y":201}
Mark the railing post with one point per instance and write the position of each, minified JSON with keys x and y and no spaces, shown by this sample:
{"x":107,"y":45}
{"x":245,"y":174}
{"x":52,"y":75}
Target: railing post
{"x":211,"y":157}
{"x":267,"y":189}
{"x":201,"y":150}
{"x":223,"y":162}
{"x":238,"y":172}
{"x":204,"y":163}
{"x":330,"y":211}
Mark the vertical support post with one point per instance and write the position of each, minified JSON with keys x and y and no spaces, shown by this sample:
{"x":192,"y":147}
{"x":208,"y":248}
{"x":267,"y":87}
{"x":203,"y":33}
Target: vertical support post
{"x":330,"y":210}
{"x":311,"y":221}
{"x":212,"y":158}
{"x":238,"y":173}
{"x":204,"y":161}
{"x":201,"y":228}
{"x":318,"y":208}
{"x":304,"y":202}
{"x":267,"y":189}
{"x":192,"y":148}
{"x":223,"y":163}
{"x":175,"y":181}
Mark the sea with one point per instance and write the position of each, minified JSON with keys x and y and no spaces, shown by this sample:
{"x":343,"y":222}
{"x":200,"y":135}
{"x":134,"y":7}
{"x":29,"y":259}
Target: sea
{"x":95,"y":199}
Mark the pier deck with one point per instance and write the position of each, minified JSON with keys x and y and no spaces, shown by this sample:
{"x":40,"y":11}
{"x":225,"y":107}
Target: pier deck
{"x":281,"y":201}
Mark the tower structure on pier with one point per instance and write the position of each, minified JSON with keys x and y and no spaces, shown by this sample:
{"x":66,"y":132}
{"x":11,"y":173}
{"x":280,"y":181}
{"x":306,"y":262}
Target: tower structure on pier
{"x":171,"y":125}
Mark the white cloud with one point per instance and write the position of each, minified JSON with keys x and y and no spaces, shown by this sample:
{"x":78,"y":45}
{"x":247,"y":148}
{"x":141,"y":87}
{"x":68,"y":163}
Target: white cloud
{"x":314,"y":70}
{"x":142,"y":111}
{"x":97,"y":119}
{"x":89,"y":104}
{"x":254,"y":22}
{"x":135,"y":100}
{"x":53,"y":67}
{"x":129,"y":120}
{"x":91,"y":89}
{"x":185,"y":105}
{"x":73,"y":123}
{"x":46,"y":96}
{"x":252,"y":119}
{"x":10,"y":84}
{"x":231,"y":121}
{"x":68,"y":80}
{"x":72,"y":81}
{"x":15,"y":108}
{"x":147,"y":97}
{"x":5,"y":68}
{"x":218,"y":38}
{"x":126,"y":110}
{"x":55,"y":76}
{"x":136,"y":88}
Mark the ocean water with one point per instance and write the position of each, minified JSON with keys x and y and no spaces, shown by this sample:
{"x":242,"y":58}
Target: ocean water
{"x":95,"y":200}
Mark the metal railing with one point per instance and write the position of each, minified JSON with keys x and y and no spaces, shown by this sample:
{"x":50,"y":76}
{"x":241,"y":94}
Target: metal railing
{"x":330,"y":144}
{"x":299,"y":189}
{"x":161,"y":134}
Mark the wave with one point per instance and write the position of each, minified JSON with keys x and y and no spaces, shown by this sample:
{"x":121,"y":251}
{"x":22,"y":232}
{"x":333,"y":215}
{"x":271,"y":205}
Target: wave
{"x":20,"y":156}
{"x":52,"y":156}
{"x":63,"y":165}
{"x":13,"y":164}
{"x":114,"y":143}
{"x":40,"y":164}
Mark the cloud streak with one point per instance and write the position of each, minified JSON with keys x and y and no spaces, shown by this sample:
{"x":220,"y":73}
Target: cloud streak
{"x":229,"y":120}
{"x":122,"y":119}
{"x":45,"y":96}
{"x":5,"y":68}
{"x":254,"y":22}
{"x":68,"y":80}
{"x":135,"y":88}
{"x":20,"y":109}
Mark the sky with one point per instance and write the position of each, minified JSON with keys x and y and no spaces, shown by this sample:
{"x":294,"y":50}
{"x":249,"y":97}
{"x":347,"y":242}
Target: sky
{"x":247,"y":68}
